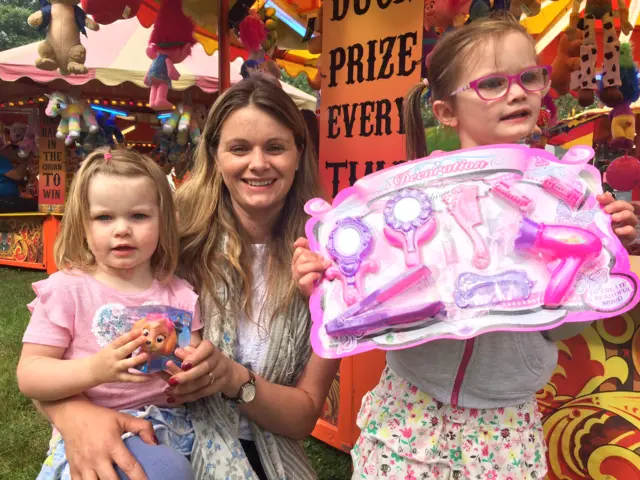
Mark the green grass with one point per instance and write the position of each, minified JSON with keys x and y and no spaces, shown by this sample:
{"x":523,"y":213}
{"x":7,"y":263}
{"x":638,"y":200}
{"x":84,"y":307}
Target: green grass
{"x":25,"y":433}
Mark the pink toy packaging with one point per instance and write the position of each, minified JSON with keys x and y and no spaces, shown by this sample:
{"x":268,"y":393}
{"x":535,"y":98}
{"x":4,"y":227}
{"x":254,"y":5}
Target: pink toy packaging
{"x":504,"y":237}
{"x":166,"y":329}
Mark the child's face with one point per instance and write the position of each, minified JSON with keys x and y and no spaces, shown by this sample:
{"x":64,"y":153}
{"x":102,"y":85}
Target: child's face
{"x":124,"y":222}
{"x":507,"y":119}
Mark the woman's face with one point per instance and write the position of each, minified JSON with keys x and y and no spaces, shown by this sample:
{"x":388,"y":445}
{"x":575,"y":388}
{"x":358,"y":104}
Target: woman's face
{"x":258,"y":158}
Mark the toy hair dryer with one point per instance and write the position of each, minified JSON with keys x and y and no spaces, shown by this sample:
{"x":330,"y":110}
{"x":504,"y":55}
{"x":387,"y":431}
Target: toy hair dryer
{"x":573,"y":246}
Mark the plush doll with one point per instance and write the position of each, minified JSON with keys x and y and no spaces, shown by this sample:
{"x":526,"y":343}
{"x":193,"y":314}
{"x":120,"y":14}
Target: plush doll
{"x":442,"y":14}
{"x":623,"y":120}
{"x":170,"y":43}
{"x":107,"y":12}
{"x":76,"y":117}
{"x":64,"y":21}
{"x":600,"y":10}
{"x":183,"y":122}
{"x":566,"y":66}
{"x":29,"y":144}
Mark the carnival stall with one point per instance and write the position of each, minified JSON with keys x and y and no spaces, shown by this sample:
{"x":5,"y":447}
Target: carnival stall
{"x":363,"y":57}
{"x":113,"y":93}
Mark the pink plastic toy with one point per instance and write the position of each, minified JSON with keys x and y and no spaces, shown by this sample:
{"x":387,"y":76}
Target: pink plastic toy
{"x":495,"y":238}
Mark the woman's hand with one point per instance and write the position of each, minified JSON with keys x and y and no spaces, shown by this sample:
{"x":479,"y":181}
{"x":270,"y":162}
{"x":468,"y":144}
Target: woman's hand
{"x":205,"y":371}
{"x":93,"y":442}
{"x":307,"y":267}
{"x":623,"y":218}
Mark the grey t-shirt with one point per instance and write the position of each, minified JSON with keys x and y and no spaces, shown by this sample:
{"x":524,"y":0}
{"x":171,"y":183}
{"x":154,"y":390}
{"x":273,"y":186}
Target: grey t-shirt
{"x":498,"y":369}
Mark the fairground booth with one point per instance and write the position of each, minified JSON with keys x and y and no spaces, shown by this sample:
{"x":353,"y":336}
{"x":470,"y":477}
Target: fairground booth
{"x":361,"y":58}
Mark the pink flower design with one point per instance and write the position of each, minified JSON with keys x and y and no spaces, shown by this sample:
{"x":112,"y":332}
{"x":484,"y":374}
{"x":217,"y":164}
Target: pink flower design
{"x":491,"y":475}
{"x":406,"y":432}
{"x":414,"y":389}
{"x":409,"y":475}
{"x":409,"y":406}
{"x":473,"y":413}
{"x":485,"y":450}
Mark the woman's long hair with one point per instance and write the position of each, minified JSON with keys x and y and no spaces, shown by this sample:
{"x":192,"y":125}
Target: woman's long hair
{"x":215,"y":251}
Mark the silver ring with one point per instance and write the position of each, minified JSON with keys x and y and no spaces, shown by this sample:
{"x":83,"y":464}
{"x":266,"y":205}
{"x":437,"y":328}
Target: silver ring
{"x":211,"y":378}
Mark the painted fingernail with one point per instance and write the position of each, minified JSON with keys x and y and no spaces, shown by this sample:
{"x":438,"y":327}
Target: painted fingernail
{"x":155,"y":439}
{"x":170,"y":400}
{"x":186,"y":366}
{"x":173,"y":382}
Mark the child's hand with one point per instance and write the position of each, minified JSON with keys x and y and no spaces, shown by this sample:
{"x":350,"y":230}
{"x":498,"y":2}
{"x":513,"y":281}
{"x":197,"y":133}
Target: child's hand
{"x":112,"y":363}
{"x":307,"y":267}
{"x":623,"y":218}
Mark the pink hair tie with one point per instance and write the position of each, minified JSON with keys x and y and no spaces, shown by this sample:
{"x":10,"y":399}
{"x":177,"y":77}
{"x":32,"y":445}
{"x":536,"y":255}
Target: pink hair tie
{"x":107,"y":156}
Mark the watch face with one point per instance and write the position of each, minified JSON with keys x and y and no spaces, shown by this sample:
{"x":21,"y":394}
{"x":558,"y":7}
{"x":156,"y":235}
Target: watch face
{"x":248,"y":393}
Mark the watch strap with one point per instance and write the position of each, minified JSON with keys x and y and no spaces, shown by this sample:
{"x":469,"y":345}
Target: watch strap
{"x":238,"y":398}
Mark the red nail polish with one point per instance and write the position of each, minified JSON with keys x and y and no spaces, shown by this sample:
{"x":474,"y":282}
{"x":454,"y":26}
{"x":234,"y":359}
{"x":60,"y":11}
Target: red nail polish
{"x":170,"y":400}
{"x":173,"y":382}
{"x":186,"y":366}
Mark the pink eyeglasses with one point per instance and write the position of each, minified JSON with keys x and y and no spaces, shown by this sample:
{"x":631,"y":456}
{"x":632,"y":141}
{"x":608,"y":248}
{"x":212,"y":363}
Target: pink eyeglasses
{"x":494,"y":87}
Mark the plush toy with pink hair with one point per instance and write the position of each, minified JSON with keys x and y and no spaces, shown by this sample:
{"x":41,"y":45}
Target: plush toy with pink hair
{"x":170,"y":43}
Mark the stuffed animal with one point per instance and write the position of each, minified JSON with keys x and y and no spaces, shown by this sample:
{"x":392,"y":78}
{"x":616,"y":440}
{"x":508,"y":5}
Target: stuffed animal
{"x":76,"y":117}
{"x":106,"y":13}
{"x":600,"y":10}
{"x":565,"y":67}
{"x":64,"y":21}
{"x":442,"y":14}
{"x":29,"y":144}
{"x":185,"y":123}
{"x":623,"y":120}
{"x":170,"y":43}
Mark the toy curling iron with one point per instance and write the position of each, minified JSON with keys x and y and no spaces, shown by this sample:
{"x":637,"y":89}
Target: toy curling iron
{"x":382,"y":319}
{"x":375,"y":299}
{"x":573,"y":246}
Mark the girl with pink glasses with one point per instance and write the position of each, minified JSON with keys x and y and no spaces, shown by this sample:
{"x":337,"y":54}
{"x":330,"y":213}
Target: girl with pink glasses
{"x":452,"y":409}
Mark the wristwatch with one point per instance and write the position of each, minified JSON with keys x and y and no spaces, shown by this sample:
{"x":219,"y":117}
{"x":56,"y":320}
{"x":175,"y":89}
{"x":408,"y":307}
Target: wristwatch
{"x":247,"y":391}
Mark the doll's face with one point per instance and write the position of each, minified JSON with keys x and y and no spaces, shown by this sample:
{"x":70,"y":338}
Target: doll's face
{"x":159,"y":337}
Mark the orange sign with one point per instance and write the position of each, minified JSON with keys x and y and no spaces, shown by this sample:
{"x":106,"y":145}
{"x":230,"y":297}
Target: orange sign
{"x":371,"y":54}
{"x":53,"y":161}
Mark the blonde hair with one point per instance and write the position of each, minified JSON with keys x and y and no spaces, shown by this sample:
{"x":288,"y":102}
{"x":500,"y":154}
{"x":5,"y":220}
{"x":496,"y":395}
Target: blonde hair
{"x":216,"y":252}
{"x":71,"y":249}
{"x":450,"y":56}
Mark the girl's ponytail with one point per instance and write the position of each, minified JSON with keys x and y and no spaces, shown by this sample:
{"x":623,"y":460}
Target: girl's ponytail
{"x":415,"y":141}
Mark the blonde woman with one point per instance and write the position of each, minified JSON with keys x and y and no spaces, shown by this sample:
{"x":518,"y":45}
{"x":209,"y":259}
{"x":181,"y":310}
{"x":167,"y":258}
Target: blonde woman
{"x":257,"y":389}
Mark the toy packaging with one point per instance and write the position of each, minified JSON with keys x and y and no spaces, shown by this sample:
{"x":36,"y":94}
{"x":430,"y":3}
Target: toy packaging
{"x":495,"y":238}
{"x":166,"y":329}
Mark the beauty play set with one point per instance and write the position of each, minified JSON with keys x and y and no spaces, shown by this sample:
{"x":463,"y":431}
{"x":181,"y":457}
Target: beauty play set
{"x":166,"y":329}
{"x":504,"y":237}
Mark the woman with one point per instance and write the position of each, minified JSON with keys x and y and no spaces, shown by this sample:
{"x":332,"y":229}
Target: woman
{"x":257,"y":387}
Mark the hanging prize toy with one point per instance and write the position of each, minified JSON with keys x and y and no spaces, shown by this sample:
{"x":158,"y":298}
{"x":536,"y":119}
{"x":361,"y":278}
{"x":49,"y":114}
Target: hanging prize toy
{"x":170,"y":43}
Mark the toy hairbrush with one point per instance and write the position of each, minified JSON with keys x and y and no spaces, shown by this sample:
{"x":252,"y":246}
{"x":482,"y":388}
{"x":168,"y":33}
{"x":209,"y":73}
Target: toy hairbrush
{"x":496,"y":238}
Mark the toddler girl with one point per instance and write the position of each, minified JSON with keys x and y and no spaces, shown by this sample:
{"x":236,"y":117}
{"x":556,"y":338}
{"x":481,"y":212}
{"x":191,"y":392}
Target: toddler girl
{"x":118,"y":247}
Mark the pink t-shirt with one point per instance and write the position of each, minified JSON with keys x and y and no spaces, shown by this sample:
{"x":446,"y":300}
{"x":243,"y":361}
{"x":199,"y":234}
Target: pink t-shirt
{"x":74,"y":311}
